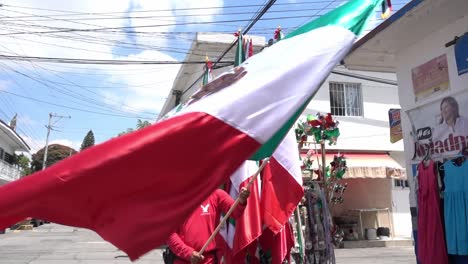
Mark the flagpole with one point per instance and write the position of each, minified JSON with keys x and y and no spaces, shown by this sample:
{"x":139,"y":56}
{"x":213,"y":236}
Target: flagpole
{"x":236,"y":202}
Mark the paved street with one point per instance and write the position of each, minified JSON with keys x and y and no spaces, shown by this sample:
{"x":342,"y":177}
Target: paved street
{"x":389,"y":255}
{"x":55,"y":244}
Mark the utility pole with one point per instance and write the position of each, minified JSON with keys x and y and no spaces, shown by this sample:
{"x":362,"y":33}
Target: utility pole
{"x":49,"y":127}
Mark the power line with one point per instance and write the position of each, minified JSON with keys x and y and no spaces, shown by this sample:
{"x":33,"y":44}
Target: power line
{"x":97,"y":41}
{"x":246,"y":30}
{"x":366,"y":77}
{"x":73,"y":20}
{"x":91,"y":101}
{"x":100,"y":62}
{"x":69,"y":12}
{"x":73,"y":108}
{"x":67,"y":30}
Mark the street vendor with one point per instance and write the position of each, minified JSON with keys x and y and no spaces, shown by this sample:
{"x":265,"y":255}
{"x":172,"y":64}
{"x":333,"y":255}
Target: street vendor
{"x":188,"y":240}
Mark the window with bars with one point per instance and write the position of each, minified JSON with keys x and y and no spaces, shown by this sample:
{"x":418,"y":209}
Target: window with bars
{"x":400,"y":183}
{"x":8,"y":158}
{"x":346,"y":99}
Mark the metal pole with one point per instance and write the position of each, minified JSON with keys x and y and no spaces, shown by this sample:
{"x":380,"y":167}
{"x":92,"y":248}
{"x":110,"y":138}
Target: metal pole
{"x":49,"y":127}
{"x":44,"y":160}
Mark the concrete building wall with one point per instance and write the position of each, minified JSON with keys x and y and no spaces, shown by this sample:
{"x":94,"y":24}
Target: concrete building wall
{"x":417,"y":54}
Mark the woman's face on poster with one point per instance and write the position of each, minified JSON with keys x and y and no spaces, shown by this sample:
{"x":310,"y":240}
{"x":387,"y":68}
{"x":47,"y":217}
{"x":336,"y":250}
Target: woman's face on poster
{"x":448,"y":111}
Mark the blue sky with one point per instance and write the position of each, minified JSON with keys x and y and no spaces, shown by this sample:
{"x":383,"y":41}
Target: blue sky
{"x":110,"y":98}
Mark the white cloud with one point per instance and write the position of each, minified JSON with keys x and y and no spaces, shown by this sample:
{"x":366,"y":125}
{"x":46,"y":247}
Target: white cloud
{"x":37,"y":144}
{"x":55,"y":45}
{"x":4,"y":85}
{"x":66,"y":142}
{"x":157,"y":83}
{"x":203,"y":15}
{"x":24,"y":120}
{"x":147,"y":86}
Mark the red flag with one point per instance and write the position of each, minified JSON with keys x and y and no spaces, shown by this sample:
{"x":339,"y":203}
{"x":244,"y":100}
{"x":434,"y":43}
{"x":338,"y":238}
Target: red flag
{"x":248,"y":227}
{"x":250,"y":51}
{"x":278,"y":246}
{"x":281,"y":184}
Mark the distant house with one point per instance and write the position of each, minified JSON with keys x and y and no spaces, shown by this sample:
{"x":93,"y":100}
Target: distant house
{"x":10,"y":142}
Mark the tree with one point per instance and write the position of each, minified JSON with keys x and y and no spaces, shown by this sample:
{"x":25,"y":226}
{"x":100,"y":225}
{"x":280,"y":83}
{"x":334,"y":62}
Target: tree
{"x":88,"y":140}
{"x":129,"y":130}
{"x":55,"y":153}
{"x":23,"y":163}
{"x":140,"y":124}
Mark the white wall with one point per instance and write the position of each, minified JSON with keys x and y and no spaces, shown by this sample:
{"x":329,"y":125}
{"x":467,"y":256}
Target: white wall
{"x":371,"y":131}
{"x":401,"y":212}
{"x":5,"y":146}
{"x":417,"y":54}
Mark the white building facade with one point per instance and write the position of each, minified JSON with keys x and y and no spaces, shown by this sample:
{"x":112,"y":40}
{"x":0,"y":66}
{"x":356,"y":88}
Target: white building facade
{"x":10,"y":142}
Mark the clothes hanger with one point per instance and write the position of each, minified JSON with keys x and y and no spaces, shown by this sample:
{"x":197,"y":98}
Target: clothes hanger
{"x":464,"y":151}
{"x":426,"y":157}
{"x":460,"y":157}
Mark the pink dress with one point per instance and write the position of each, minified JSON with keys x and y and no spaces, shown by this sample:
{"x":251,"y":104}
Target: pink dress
{"x":431,"y":240}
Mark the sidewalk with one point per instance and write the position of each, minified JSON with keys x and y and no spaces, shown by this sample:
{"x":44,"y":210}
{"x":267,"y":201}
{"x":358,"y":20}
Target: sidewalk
{"x":381,"y":255}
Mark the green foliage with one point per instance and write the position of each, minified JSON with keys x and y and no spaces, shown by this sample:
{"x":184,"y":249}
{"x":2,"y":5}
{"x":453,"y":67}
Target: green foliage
{"x":55,"y":153}
{"x":88,"y":140}
{"x":129,"y":130}
{"x":24,"y":164}
{"x":140,"y":124}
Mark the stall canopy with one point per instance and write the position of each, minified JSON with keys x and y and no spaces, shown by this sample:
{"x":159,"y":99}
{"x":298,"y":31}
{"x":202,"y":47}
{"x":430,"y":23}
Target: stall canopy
{"x":368,"y":165}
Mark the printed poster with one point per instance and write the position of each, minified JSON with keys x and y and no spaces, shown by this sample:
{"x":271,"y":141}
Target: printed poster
{"x":396,"y":132}
{"x":430,"y":78}
{"x":441,"y":127}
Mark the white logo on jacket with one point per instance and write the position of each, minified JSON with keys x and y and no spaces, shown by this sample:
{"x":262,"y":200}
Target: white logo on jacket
{"x":205,"y":209}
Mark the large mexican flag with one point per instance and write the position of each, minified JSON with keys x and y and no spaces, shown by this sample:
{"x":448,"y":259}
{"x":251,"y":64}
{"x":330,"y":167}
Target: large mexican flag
{"x":136,"y":189}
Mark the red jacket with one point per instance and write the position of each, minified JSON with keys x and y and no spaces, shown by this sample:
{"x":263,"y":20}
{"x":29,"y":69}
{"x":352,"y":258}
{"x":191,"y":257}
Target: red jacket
{"x":196,"y":230}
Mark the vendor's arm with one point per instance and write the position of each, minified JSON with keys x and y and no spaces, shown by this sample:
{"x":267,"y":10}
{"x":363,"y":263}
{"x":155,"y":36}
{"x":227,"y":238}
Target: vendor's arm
{"x":179,"y":248}
{"x":225,"y":202}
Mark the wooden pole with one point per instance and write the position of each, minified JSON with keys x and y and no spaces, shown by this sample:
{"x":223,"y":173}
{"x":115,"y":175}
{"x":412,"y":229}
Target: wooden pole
{"x":223,"y":221}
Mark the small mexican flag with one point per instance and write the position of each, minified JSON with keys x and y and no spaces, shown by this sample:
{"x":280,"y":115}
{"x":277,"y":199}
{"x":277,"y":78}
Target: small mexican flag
{"x":207,"y":74}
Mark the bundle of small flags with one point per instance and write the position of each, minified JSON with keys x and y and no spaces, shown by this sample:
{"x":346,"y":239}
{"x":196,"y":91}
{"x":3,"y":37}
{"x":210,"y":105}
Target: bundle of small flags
{"x":278,"y":34}
{"x":321,"y":127}
{"x":338,"y":167}
{"x":244,"y":48}
{"x":386,"y":9}
{"x":207,"y":76}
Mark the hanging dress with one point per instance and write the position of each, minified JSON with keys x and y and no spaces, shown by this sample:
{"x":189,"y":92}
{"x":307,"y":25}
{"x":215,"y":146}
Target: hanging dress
{"x":431,"y":241}
{"x":456,"y":207}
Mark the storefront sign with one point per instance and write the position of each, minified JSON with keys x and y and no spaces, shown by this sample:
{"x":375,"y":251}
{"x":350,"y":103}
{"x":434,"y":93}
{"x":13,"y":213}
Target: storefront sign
{"x":396,"y":133}
{"x":430,"y":78}
{"x":441,"y":127}
{"x":461,"y":54}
